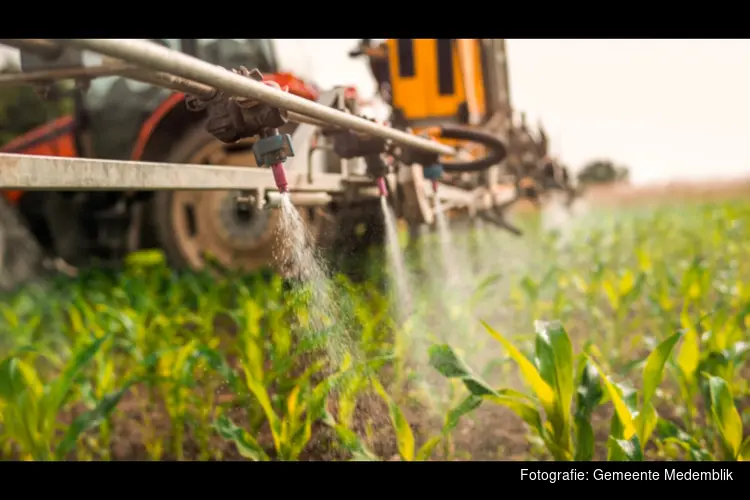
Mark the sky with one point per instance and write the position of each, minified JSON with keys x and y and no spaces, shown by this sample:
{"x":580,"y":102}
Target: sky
{"x":667,"y":109}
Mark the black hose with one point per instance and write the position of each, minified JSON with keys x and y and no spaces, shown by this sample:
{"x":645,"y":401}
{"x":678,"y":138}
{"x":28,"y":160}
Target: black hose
{"x":498,"y":150}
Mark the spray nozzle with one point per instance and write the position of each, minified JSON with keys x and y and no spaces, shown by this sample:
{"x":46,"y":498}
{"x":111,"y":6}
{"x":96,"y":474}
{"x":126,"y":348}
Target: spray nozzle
{"x":272,"y":150}
{"x":279,"y":177}
{"x":382,"y":187}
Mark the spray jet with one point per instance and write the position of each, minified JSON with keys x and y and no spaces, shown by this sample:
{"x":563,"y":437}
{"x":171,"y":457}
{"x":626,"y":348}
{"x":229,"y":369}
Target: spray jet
{"x":231,"y":119}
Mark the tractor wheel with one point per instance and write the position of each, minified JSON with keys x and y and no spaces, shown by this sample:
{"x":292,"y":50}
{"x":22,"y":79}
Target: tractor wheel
{"x":20,"y":254}
{"x":193,"y":227}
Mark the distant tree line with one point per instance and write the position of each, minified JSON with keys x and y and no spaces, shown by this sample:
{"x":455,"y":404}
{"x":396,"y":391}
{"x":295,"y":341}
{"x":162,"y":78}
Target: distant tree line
{"x":603,"y":172}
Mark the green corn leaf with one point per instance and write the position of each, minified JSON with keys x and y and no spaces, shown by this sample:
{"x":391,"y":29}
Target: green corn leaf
{"x":15,"y":377}
{"x":645,"y":421}
{"x":589,"y":396}
{"x":584,"y":445}
{"x":89,"y":420}
{"x":621,"y":409}
{"x":453,"y":416}
{"x":445,"y":360}
{"x":589,"y":393}
{"x":629,"y":449}
{"x":264,"y":400}
{"x":60,"y":389}
{"x":529,"y":372}
{"x":653,"y":372}
{"x":428,"y":448}
{"x":246,"y":445}
{"x":350,"y":440}
{"x":404,"y":434}
{"x":554,"y":354}
{"x":726,"y":418}
{"x":688,"y":357}
{"x":745,"y":450}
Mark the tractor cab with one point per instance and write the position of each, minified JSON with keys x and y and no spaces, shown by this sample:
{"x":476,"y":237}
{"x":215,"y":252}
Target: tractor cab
{"x":439,"y":81}
{"x":433,"y":82}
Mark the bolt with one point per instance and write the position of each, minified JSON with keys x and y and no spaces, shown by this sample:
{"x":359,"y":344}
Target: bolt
{"x":244,"y":204}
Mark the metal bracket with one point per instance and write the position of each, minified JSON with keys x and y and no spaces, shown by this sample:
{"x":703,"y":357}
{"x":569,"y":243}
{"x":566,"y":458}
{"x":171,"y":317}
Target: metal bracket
{"x":31,"y":172}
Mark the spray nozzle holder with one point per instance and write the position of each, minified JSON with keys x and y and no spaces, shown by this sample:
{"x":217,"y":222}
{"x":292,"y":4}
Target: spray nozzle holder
{"x":273,"y":149}
{"x":348,"y":144}
{"x":434,"y":172}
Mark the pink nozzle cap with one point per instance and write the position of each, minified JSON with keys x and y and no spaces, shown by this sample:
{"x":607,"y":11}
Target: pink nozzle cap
{"x":382,"y":186}
{"x":279,"y":177}
{"x":434,"y":186}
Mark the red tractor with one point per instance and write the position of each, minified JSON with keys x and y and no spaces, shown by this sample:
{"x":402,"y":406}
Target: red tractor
{"x":121,"y":119}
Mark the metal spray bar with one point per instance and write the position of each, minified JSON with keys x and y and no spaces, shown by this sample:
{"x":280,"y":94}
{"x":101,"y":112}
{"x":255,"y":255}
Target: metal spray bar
{"x":114,"y":67}
{"x":163,"y":59}
{"x":47,"y":49}
{"x":20,"y":171}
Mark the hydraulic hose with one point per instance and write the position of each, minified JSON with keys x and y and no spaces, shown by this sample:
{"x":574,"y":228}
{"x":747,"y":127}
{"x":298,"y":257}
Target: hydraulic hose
{"x":497,"y":149}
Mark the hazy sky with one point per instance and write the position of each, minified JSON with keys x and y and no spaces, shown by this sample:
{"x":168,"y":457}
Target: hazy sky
{"x":666,"y":108}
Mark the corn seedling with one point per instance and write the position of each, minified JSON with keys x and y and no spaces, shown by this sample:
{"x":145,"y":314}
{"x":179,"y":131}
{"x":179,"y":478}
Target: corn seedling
{"x":635,"y":418}
{"x":30,"y":408}
{"x":552,"y":378}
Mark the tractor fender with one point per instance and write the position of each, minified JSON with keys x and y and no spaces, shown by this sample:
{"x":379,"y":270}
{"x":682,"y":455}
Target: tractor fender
{"x":165,"y":126}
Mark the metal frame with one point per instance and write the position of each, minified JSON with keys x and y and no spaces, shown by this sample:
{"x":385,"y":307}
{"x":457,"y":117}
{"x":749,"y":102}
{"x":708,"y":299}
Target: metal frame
{"x":30,"y":172}
{"x":152,"y":63}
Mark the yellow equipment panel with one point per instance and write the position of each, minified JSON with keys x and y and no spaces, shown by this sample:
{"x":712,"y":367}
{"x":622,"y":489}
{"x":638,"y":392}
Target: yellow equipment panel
{"x":428,"y":83}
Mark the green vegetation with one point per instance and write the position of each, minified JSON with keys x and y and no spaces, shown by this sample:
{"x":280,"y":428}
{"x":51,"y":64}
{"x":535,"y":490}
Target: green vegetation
{"x":22,"y":109}
{"x":624,"y":339}
{"x":603,"y":172}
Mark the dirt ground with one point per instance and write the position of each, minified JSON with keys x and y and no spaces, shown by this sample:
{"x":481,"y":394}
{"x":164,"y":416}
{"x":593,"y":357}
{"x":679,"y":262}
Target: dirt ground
{"x":627,"y":195}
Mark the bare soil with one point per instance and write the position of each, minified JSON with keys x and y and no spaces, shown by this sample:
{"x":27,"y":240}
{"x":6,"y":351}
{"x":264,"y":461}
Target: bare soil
{"x":628,"y":195}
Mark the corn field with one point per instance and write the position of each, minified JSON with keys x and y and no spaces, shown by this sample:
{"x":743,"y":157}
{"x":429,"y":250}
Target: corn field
{"x":623,"y":337}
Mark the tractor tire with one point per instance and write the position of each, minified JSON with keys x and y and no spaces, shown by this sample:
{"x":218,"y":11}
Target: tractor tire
{"x":21,"y":255}
{"x":194,"y":228}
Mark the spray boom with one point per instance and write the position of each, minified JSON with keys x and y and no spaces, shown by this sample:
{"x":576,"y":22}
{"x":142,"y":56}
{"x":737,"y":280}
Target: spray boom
{"x":233,"y":118}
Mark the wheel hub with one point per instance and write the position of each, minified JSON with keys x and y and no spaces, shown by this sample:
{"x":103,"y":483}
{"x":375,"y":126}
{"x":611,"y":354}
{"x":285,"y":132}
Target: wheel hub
{"x":213,"y":223}
{"x":241,"y":223}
